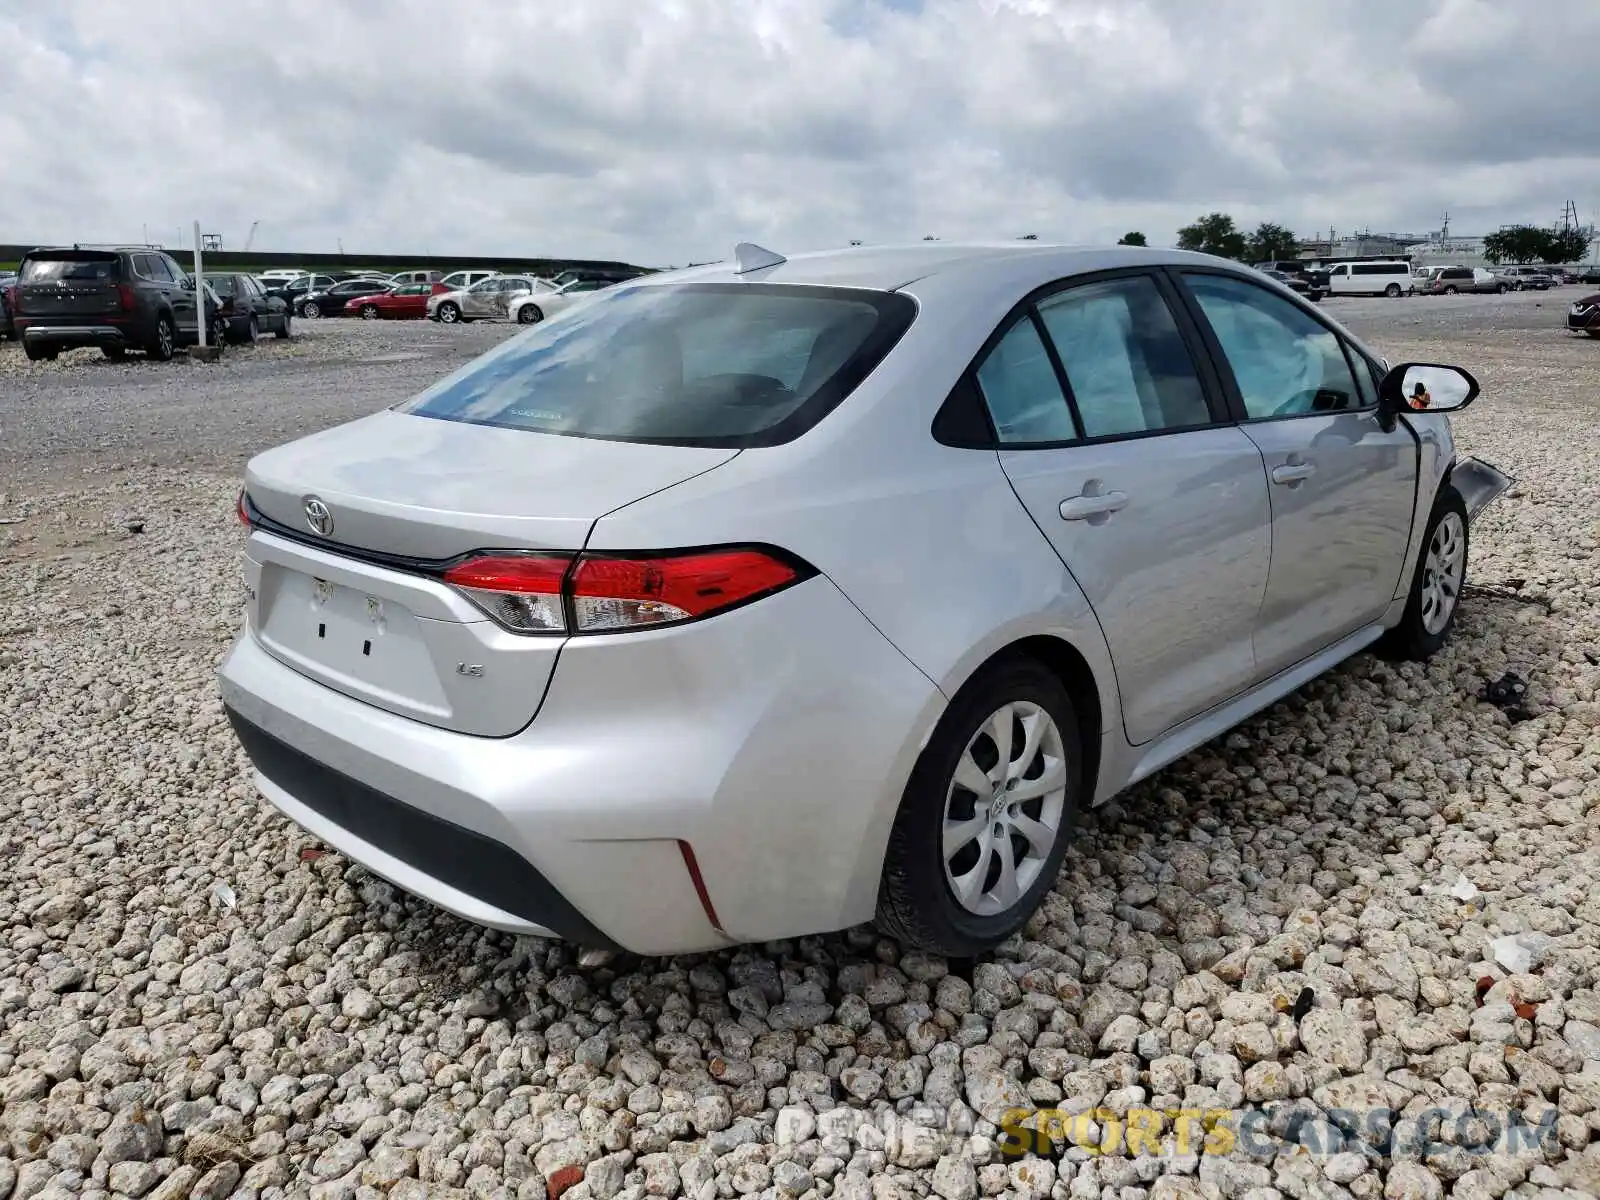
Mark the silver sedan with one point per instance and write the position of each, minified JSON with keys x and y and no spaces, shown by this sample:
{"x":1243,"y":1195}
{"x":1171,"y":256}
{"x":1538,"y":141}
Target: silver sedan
{"x":776,"y":596}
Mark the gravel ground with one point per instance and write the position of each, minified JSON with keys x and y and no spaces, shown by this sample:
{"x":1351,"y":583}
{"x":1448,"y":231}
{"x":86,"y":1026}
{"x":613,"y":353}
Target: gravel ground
{"x":195,"y":1002}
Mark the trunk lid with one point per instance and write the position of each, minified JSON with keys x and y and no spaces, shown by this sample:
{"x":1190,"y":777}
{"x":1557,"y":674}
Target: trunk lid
{"x":427,"y":488}
{"x":347,"y":610}
{"x":70,"y":283}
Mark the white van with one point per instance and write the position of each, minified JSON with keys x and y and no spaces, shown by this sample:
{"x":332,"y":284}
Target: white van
{"x":1371,"y":279}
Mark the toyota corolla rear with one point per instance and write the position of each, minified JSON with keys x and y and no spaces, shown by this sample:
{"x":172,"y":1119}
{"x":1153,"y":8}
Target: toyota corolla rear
{"x":440,"y":679}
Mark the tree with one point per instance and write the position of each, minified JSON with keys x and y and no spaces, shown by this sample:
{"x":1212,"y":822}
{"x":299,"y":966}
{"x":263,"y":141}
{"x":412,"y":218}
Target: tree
{"x":1214,"y":233}
{"x":1516,"y":243}
{"x":1567,"y":245}
{"x":1271,"y":242}
{"x":1132,"y":238}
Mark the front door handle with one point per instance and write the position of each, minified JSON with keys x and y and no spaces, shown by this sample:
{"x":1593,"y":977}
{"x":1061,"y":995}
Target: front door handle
{"x":1091,"y":505}
{"x":1292,"y":472}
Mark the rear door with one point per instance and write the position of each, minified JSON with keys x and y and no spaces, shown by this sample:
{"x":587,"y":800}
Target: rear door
{"x":1342,"y":489}
{"x":1109,"y":433}
{"x":70,"y":283}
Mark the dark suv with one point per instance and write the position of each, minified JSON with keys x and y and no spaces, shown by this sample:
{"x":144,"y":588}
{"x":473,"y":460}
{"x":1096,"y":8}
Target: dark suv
{"x":119,"y":300}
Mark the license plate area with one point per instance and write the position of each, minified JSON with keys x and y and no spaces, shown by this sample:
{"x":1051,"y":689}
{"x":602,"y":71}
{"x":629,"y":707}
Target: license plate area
{"x":365,"y":645}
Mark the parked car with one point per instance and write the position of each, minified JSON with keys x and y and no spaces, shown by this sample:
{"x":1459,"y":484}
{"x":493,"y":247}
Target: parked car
{"x":1371,"y":279}
{"x":458,"y":281}
{"x":1589,"y":274}
{"x":246,"y":309}
{"x":485,"y":300}
{"x":1528,"y":278}
{"x":604,"y":275}
{"x":330,"y":302}
{"x":1447,"y":281}
{"x":582,"y":641}
{"x":536,"y":306}
{"x":406,"y":301}
{"x":1584,"y":315}
{"x":292,"y":291}
{"x":1296,"y":283}
{"x":416,"y":277}
{"x":8,"y":280}
{"x":281,"y":273}
{"x":67,"y":297}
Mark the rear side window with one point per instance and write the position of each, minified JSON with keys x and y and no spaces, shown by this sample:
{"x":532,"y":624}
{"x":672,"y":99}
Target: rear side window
{"x":221,"y":284}
{"x":694,"y":364}
{"x":1125,"y":360}
{"x":70,"y":268}
{"x":1024,"y":396}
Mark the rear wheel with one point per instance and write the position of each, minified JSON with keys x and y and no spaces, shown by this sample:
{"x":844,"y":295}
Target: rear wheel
{"x":1500,"y":289}
{"x":1451,"y":290}
{"x":219,"y":332}
{"x":114,"y":353}
{"x":984,"y":821}
{"x":1436,"y":587}
{"x":160,"y":347}
{"x":283,"y":330}
{"x":1392,"y":291}
{"x":39,"y":353}
{"x":529,"y":314}
{"x":252,"y":330}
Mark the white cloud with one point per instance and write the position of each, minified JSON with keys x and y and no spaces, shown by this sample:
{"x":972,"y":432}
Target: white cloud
{"x":663,"y":130}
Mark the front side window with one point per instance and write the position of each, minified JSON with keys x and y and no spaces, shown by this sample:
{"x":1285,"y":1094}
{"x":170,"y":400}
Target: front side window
{"x":1285,"y":362}
{"x":694,"y":364}
{"x":1021,"y":389}
{"x":1126,"y":362}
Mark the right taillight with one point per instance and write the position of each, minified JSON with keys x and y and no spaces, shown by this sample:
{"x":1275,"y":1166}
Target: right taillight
{"x":125,"y":297}
{"x":14,"y":299}
{"x":614,"y":593}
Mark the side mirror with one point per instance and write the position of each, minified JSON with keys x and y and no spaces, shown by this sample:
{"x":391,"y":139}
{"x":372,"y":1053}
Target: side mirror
{"x":1425,"y":387}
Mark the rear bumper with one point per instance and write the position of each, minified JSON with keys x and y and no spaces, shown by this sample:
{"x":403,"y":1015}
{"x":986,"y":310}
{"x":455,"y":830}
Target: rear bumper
{"x":71,"y":336}
{"x":774,"y":741}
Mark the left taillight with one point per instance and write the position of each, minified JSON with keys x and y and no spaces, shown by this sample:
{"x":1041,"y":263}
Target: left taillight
{"x":615,"y":593}
{"x":241,"y":508}
{"x":125,"y":297}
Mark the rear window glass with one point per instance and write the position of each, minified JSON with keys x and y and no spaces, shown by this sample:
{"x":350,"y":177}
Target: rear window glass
{"x":76,"y":269}
{"x":697,"y":364}
{"x":221,"y":284}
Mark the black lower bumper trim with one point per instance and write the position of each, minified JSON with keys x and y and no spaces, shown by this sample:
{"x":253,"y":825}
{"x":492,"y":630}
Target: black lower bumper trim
{"x":478,"y":866}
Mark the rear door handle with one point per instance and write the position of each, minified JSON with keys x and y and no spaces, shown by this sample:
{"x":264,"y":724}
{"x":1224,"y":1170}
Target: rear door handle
{"x":1293,"y":472}
{"x":1088,"y":506}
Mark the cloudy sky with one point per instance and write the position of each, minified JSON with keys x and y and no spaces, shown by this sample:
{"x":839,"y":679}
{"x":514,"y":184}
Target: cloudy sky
{"x":661,"y":131}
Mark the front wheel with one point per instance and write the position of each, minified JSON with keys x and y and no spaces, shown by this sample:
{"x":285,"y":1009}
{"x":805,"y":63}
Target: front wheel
{"x":1450,"y":291}
{"x":1500,"y":290}
{"x":449,"y":313}
{"x":312,"y":309}
{"x":114,"y":353}
{"x":283,"y":330}
{"x":1436,"y":587}
{"x":985,"y":818}
{"x":1392,"y":291}
{"x":162,"y":344}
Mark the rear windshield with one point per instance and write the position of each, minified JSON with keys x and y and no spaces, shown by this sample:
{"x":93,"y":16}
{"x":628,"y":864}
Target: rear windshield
{"x":221,"y":284}
{"x":694,"y":364}
{"x":71,"y":268}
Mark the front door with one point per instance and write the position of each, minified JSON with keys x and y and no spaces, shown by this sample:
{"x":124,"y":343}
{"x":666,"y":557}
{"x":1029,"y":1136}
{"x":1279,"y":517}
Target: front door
{"x":1342,"y":489}
{"x":1159,"y":512}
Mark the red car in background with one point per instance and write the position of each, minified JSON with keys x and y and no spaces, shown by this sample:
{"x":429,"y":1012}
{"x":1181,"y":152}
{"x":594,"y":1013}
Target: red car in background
{"x":406,"y":302}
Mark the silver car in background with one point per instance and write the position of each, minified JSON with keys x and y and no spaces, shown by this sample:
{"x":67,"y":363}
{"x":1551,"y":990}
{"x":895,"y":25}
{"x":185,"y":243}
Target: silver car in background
{"x":486,"y":300}
{"x":776,"y":596}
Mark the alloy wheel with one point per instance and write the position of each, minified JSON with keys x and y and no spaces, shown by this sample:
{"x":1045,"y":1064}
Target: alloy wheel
{"x":1443,"y":571}
{"x":1004,"y":809}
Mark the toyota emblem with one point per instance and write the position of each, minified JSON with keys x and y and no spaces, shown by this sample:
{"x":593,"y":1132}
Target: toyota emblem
{"x":318,"y":516}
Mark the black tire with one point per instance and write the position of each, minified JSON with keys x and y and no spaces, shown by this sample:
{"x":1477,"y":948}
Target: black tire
{"x":369,"y":312}
{"x":449,"y":313}
{"x":311,"y":309}
{"x":282,"y":332}
{"x":114,"y":353}
{"x":1500,"y":289}
{"x":1412,"y":639}
{"x":164,"y":340}
{"x":1594,"y":333}
{"x":1392,"y":291}
{"x":252,"y":330}
{"x":219,"y":332}
{"x":529,"y":314}
{"x":1451,"y":290}
{"x":39,"y":353}
{"x":916,"y":903}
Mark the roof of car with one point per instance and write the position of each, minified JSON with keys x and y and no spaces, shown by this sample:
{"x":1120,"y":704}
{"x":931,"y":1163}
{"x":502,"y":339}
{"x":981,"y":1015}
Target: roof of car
{"x":887,"y":268}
